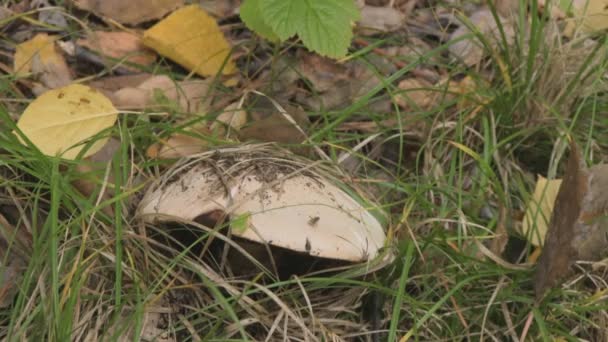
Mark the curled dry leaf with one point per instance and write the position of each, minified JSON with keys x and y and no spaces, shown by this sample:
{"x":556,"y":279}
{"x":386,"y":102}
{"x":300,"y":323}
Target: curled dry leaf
{"x":471,"y":50}
{"x":119,"y":45}
{"x":191,"y":96}
{"x":192,"y":38}
{"x":379,"y":19}
{"x":130,"y":12}
{"x":60,"y":121}
{"x":272,"y":198}
{"x":577,"y":230}
{"x":41,"y":57}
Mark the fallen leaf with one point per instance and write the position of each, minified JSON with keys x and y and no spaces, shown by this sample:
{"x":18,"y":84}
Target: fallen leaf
{"x":470,"y":92}
{"x":591,"y":240}
{"x":221,"y":8}
{"x":111,"y":84}
{"x":322,"y":72}
{"x":119,"y":45}
{"x":233,"y":117}
{"x":506,"y":8}
{"x":336,"y":85}
{"x":470,"y":50}
{"x":190,"y":37}
{"x":553,"y":7}
{"x":270,"y":125}
{"x":412,"y":51}
{"x":191,"y":96}
{"x":577,"y":230}
{"x":130,"y":12}
{"x":180,"y":144}
{"x":416,"y":93}
{"x":591,"y":15}
{"x":538,"y":212}
{"x":380,"y":19}
{"x":40,"y":57}
{"x":51,"y":16}
{"x":61,"y":120}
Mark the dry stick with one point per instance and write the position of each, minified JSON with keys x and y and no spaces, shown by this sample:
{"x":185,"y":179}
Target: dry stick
{"x":190,"y":328}
{"x":308,"y":302}
{"x":505,"y":313}
{"x":524,"y":332}
{"x":274,"y":326}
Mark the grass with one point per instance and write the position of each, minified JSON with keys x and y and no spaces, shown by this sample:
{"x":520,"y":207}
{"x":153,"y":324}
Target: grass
{"x":452,"y":177}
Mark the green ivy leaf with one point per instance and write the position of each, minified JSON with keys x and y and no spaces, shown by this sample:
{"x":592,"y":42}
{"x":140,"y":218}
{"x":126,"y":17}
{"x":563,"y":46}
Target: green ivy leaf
{"x":252,"y":17}
{"x":323,"y":25}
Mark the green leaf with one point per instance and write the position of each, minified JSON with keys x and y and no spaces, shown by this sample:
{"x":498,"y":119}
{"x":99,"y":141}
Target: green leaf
{"x":283,"y":16}
{"x":252,"y":17}
{"x":323,"y":25}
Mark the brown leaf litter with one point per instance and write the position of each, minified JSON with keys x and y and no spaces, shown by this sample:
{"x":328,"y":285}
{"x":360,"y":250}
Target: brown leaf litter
{"x":577,"y":230}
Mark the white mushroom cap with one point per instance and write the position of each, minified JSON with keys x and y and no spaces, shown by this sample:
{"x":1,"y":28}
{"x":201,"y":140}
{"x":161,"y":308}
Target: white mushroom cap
{"x":274,"y":201}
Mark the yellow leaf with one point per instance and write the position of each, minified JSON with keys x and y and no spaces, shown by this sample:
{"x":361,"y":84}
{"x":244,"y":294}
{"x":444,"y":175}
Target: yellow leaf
{"x":591,"y":14}
{"x":41,"y":46}
{"x":190,"y":37}
{"x":60,"y":120}
{"x":538,"y":213}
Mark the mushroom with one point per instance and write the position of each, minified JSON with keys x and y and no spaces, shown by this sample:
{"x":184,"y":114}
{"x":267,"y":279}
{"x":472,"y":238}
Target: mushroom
{"x":272,"y":197}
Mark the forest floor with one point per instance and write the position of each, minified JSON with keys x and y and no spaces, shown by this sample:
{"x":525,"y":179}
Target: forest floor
{"x":443,"y":114}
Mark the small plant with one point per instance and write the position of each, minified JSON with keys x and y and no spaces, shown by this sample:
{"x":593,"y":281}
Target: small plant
{"x":324,"y":26}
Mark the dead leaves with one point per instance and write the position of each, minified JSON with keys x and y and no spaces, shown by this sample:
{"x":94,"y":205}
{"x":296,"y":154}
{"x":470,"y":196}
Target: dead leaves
{"x":380,"y":19}
{"x":188,"y":96}
{"x":467,"y":45}
{"x":190,"y":37}
{"x":583,"y":15}
{"x":119,"y":45}
{"x":577,"y":230}
{"x":129,"y":12}
{"x":40,"y":57}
